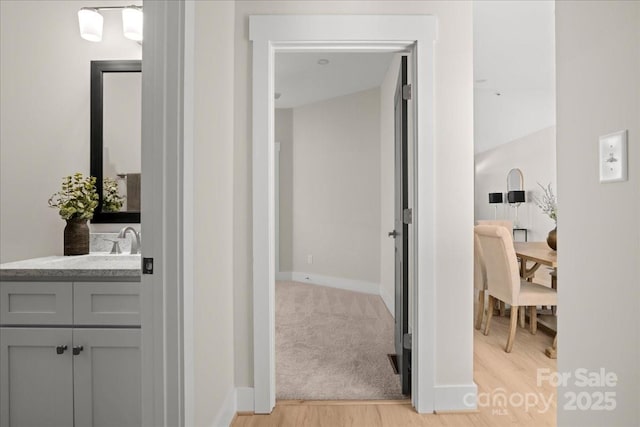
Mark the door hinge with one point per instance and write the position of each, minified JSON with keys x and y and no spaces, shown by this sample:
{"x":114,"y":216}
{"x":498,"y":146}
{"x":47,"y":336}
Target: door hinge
{"x":407,"y":216}
{"x":406,"y":92}
{"x":406,"y":341}
{"x":147,"y":265}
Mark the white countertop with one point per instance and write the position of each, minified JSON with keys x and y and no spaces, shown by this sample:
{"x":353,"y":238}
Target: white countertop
{"x":91,"y":266}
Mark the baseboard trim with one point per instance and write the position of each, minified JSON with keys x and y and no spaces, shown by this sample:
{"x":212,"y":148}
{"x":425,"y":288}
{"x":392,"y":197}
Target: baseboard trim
{"x":388,"y":301}
{"x":244,"y":402}
{"x":455,"y":398}
{"x":228,"y":411}
{"x":335,"y":282}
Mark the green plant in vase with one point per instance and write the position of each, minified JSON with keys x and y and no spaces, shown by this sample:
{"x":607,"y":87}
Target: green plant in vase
{"x":112,"y":201}
{"x":76,"y":202}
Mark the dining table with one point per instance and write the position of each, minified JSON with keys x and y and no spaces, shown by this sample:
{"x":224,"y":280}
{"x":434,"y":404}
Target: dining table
{"x":539,"y":253}
{"x":532,"y":256}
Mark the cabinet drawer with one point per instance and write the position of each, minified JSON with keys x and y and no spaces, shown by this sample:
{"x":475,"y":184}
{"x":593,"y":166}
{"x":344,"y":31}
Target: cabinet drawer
{"x":106,"y":303}
{"x":36,"y":303}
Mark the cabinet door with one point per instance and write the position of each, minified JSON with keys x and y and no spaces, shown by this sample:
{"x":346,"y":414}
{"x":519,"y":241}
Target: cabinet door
{"x":106,"y":377}
{"x":36,"y":383}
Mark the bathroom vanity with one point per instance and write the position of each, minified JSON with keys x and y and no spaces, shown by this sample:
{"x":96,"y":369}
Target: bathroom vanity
{"x":70,"y":341}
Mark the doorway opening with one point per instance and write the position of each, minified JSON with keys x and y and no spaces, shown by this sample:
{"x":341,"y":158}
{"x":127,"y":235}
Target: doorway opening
{"x":346,"y":33}
{"x":339,"y":117}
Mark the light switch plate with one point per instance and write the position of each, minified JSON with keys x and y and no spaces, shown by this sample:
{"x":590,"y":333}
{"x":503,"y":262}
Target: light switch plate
{"x":613,"y":157}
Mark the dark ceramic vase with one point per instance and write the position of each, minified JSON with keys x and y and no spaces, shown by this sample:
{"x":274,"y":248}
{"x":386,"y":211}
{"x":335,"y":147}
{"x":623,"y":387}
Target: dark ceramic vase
{"x":76,"y":237}
{"x":552,"y":239}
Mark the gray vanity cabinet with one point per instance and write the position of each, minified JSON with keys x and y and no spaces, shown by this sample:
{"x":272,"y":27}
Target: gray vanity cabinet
{"x":37,"y":383}
{"x":107,"y":379}
{"x":79,"y":365}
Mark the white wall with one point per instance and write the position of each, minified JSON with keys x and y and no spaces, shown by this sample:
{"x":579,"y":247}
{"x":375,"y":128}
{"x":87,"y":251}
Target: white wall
{"x":598,"y":90}
{"x":387,"y":183}
{"x":213,"y":176}
{"x":454,"y":188}
{"x":44,"y":115}
{"x":514,"y":55}
{"x":535,"y":156}
{"x":336,"y":188}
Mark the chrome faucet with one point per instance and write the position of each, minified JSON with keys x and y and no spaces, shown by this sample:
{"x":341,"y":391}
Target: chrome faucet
{"x":135,"y":243}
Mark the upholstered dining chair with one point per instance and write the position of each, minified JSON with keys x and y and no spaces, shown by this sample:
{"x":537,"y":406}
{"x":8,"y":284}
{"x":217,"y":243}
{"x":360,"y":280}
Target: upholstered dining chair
{"x":509,"y":226}
{"x":503,"y":222}
{"x":479,"y":280}
{"x":504,"y":282}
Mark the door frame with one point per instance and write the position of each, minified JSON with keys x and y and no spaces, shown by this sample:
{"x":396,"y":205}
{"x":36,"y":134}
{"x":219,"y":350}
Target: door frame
{"x":167,"y":345}
{"x":344,"y":33}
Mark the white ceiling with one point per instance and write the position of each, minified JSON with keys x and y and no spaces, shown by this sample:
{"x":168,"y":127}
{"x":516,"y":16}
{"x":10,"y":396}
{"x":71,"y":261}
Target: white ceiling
{"x":300,"y":80}
{"x":514,"y":51}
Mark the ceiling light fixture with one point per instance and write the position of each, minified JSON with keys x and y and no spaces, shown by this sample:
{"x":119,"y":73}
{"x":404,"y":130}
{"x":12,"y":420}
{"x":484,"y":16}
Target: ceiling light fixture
{"x":132,"y":22}
{"x":91,"y":21}
{"x":323,"y":61}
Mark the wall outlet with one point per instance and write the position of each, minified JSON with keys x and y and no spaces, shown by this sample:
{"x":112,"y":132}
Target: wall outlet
{"x":613,"y":157}
{"x":309,"y":259}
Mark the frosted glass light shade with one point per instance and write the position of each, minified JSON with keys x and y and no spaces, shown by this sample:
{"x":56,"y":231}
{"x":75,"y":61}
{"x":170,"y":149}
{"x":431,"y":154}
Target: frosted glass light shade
{"x":90,"y":22}
{"x":132,"y":23}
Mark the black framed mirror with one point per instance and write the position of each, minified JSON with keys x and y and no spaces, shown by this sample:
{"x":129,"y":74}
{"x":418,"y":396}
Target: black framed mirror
{"x":116,"y":93}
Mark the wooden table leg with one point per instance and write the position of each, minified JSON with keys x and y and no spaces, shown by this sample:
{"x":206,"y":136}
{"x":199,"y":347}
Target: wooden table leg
{"x":552,"y":352}
{"x":528,"y":273}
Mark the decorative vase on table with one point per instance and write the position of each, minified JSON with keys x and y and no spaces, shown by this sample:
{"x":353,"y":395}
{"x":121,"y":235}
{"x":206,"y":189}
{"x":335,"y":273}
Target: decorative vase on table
{"x":552,"y":239}
{"x":76,"y":237}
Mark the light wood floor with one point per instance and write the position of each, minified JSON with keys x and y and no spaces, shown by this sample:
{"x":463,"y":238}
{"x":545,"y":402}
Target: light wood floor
{"x":495,"y":371}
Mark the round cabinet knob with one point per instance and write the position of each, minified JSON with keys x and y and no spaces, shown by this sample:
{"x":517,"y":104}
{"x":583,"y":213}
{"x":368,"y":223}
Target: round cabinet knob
{"x":61,"y":349}
{"x":77,"y":349}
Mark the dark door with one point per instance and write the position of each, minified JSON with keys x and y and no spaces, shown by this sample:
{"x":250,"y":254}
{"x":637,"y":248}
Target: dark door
{"x":400,"y":233}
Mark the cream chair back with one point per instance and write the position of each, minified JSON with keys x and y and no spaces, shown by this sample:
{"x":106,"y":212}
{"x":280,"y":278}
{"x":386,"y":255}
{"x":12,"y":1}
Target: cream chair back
{"x":479,"y":270}
{"x":503,"y":222}
{"x":503,"y":277}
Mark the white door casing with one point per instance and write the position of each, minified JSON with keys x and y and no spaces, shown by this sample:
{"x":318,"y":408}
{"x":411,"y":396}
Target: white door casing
{"x":276,"y":171}
{"x":167,"y":96}
{"x":350,"y":33}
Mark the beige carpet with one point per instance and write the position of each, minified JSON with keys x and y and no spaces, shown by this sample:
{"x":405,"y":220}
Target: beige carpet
{"x":332,"y":344}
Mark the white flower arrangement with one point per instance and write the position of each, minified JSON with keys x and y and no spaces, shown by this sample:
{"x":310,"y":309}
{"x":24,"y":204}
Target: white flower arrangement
{"x":548,"y":203}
